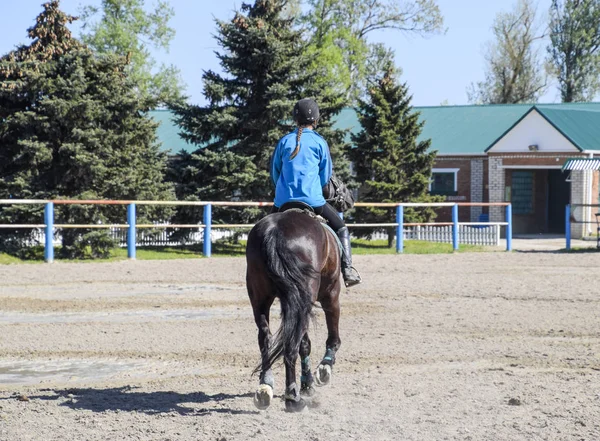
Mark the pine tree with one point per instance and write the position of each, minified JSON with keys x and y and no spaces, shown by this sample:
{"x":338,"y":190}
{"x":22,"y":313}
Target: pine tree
{"x":72,"y":128}
{"x":266,"y":70}
{"x":387,"y":157}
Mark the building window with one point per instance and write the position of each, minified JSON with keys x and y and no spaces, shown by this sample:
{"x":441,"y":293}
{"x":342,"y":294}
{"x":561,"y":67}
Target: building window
{"x":443,"y":181}
{"x":522,"y":192}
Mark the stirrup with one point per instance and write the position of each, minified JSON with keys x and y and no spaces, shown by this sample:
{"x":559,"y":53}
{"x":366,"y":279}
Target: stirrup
{"x":351,"y":281}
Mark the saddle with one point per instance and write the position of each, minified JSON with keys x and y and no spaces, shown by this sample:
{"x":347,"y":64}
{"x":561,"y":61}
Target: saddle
{"x":297,"y":206}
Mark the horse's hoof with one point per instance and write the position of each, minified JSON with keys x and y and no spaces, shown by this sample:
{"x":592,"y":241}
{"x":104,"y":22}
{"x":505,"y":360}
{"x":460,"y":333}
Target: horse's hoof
{"x":263,"y":396}
{"x":307,"y":391}
{"x":295,"y":406}
{"x":323,"y":375}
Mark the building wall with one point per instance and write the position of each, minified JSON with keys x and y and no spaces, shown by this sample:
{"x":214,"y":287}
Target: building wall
{"x":496,"y":187}
{"x":578,"y":193}
{"x":534,"y":222}
{"x":464,"y":188}
{"x":482,"y":179}
{"x":596,"y":189}
{"x":477,"y":187}
{"x":595,"y":199}
{"x":499,"y":163}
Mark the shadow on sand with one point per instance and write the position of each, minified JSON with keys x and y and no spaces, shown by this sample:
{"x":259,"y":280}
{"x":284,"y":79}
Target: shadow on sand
{"x":126,"y":399}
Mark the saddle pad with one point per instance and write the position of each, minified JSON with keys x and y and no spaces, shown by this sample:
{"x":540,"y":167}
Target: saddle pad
{"x":323,"y":223}
{"x":337,"y":239}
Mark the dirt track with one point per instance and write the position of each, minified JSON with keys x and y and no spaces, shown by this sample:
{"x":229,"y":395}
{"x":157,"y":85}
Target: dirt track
{"x":488,"y":346}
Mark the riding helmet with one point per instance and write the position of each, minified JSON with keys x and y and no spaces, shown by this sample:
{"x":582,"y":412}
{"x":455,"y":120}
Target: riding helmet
{"x":306,"y":111}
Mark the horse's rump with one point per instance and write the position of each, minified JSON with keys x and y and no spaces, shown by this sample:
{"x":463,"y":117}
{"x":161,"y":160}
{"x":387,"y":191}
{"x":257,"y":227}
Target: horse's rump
{"x":287,"y":254}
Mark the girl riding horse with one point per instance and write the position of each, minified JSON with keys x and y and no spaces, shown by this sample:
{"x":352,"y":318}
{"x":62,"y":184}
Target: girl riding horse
{"x":301,"y":166}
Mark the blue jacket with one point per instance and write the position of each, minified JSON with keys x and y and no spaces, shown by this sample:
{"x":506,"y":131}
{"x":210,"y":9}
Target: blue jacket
{"x":302,"y":178}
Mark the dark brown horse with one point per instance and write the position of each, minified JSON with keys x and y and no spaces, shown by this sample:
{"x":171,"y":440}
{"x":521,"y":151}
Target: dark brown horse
{"x":291,"y":257}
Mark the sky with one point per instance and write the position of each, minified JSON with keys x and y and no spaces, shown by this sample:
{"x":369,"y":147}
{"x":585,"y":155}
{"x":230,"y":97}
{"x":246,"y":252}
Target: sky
{"x":438,"y":69}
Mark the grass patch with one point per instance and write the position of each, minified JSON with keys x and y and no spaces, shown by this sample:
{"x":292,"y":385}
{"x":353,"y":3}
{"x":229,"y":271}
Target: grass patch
{"x":363,"y":246}
{"x":580,"y":250}
{"x":6,"y":259}
{"x":219,"y":249}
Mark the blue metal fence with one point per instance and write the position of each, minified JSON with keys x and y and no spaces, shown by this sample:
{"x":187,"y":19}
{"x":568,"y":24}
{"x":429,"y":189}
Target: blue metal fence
{"x":132,"y":225}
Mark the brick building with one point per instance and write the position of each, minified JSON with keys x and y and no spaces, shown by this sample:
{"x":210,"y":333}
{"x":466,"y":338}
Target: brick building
{"x":514,"y":153}
{"x":500,"y":153}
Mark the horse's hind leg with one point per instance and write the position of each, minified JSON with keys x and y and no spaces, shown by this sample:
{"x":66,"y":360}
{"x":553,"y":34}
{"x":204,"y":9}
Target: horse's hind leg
{"x":331,"y":306}
{"x":293,"y":400}
{"x":306,"y":378}
{"x":264,"y":393}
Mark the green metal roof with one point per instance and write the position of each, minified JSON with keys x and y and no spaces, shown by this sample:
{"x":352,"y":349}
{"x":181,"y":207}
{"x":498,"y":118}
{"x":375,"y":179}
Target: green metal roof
{"x":456,"y":129}
{"x":168,"y":133}
{"x":468,"y":129}
{"x":579,"y":123}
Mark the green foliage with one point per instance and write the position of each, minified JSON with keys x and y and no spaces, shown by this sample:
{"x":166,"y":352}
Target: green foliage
{"x":125,"y":28}
{"x":266,"y":70}
{"x":575,"y":48}
{"x":388,"y":159}
{"x":72,"y":127}
{"x":338,"y":31}
{"x":514,"y":71}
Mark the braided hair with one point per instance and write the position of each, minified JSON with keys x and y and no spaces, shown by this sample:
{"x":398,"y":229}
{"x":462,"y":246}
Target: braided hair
{"x":297,"y":149}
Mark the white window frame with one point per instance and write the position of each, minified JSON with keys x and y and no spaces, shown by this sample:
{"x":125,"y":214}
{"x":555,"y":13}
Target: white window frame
{"x":445,"y":170}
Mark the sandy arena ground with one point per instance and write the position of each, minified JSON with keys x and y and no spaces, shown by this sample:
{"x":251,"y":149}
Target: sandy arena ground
{"x":491,"y":346}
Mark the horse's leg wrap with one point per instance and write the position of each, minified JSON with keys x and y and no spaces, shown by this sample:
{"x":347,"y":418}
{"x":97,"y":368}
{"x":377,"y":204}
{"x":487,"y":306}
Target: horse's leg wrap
{"x":293,"y":401}
{"x":264,"y":393}
{"x":329,"y":358}
{"x":324,"y":371}
{"x":306,"y":379}
{"x":266,"y":377}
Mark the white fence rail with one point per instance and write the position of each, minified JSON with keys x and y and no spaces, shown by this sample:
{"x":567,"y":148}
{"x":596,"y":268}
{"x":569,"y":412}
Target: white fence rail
{"x":468,"y":235}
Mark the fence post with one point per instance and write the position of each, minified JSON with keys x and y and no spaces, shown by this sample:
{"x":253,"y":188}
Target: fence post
{"x":509,"y":227}
{"x":206,"y":245}
{"x":131,"y":231}
{"x":49,"y":239}
{"x":399,"y":229}
{"x":455,"y":227}
{"x":568,"y":226}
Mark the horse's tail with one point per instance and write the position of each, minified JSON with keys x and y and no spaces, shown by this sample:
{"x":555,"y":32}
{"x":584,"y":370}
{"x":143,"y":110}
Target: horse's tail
{"x":291,"y":276}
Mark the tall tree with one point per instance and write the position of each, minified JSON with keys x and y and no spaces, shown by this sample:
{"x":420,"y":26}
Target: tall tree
{"x":126,"y":28}
{"x":388,"y":158}
{"x":72,"y":127}
{"x":266,"y":70}
{"x":575,"y":48}
{"x":515,"y":72}
{"x":339,"y":31}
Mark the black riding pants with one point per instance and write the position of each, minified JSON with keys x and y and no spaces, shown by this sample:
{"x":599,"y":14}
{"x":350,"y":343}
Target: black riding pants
{"x":328,"y":212}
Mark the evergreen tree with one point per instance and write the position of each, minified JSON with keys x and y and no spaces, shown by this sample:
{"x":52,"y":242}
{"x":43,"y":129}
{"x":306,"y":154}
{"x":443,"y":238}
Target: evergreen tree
{"x":266,"y":70}
{"x":72,"y":127}
{"x":387,"y":157}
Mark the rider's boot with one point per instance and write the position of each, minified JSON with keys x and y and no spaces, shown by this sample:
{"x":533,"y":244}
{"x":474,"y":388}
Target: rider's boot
{"x":349,"y":273}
